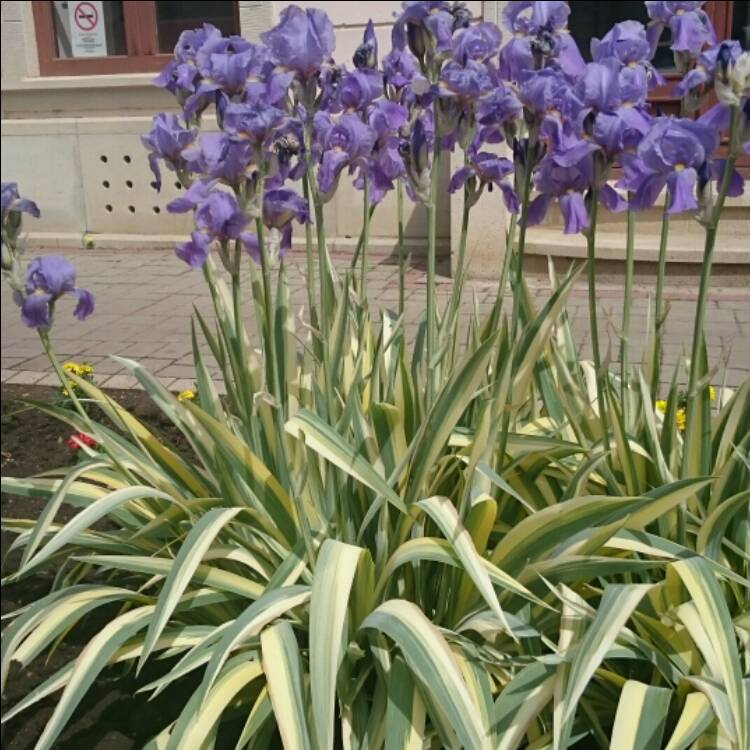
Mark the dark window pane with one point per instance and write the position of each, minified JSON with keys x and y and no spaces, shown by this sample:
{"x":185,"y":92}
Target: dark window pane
{"x":88,"y":29}
{"x":174,"y":17}
{"x":590,"y":20}
{"x":741,"y":23}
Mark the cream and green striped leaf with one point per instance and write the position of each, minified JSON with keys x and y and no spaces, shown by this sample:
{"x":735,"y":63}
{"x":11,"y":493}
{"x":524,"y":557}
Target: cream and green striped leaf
{"x":430,"y":660}
{"x":641,"y":717}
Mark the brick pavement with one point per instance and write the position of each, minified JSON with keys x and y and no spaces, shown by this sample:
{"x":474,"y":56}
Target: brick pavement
{"x":144,"y":301}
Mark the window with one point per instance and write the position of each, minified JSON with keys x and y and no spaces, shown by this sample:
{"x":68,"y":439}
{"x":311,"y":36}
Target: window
{"x":93,"y":37}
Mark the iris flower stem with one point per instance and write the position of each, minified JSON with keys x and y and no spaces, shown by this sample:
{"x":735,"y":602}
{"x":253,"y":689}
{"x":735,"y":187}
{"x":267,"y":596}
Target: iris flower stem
{"x":593,"y":322}
{"x":708,"y":256}
{"x":270,"y":343}
{"x":510,"y":238}
{"x":431,"y":251}
{"x":365,"y":240}
{"x":521,"y":249}
{"x":64,"y":380}
{"x":522,"y":225}
{"x":401,"y":248}
{"x":659,"y":311}
{"x":458,"y":284}
{"x":309,"y":252}
{"x":324,"y":312}
{"x":626,"y":309}
{"x":360,"y":241}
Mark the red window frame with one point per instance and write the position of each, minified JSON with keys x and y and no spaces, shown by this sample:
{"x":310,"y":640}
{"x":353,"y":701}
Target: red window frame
{"x":141,"y":42}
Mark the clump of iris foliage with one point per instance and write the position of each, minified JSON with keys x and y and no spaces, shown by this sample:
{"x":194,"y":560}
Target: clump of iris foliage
{"x":480,"y":541}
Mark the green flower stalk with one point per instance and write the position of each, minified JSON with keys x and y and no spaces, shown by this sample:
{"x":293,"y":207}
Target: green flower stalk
{"x":401,"y":247}
{"x":659,"y":312}
{"x":627,"y":303}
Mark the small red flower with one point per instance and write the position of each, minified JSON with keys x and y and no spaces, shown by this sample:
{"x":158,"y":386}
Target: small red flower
{"x":75,"y":440}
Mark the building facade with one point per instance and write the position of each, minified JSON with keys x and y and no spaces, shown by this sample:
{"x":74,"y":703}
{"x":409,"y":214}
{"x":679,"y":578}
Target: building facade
{"x":77,"y":95}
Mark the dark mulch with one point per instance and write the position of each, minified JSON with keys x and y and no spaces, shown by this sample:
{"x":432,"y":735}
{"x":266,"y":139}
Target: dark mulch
{"x":111,"y":716}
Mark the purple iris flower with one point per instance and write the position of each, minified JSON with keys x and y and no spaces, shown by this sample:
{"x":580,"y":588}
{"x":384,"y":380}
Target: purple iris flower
{"x":252,"y":123}
{"x":167,"y":141}
{"x":422,"y":24}
{"x":366,"y":55}
{"x":599,"y":89}
{"x":217,"y":156}
{"x":567,"y":184}
{"x":459,"y":89}
{"x":359,"y":89}
{"x":191,"y":40}
{"x":496,"y":111}
{"x":633,"y":83}
{"x":399,"y":67}
{"x":280,"y":208}
{"x":625,"y":41}
{"x":487,"y":169}
{"x":467,"y":82}
{"x":181,"y":76}
{"x":286,"y":156}
{"x":386,"y":165}
{"x":620,"y":131}
{"x":548,"y":96}
{"x":539,"y":36}
{"x":219,"y":216}
{"x":302,"y":40}
{"x":348,"y":142}
{"x":47,"y":279}
{"x":416,"y":155}
{"x":671,"y":154}
{"x":705,"y":68}
{"x":231,"y":65}
{"x":195,"y":251}
{"x":690,"y":25}
{"x":11,"y":202}
{"x":194,"y":195}
{"x":181,"y":80}
{"x":329,"y":81}
{"x":479,"y":42}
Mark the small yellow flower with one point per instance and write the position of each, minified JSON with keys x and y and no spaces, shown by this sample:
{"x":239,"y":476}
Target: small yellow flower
{"x":81,"y":370}
{"x":681,"y":420}
{"x":661,"y":406}
{"x":186,"y":395}
{"x":711,"y":393}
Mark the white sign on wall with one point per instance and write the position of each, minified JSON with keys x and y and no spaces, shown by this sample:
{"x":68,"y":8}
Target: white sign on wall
{"x":87,"y":35}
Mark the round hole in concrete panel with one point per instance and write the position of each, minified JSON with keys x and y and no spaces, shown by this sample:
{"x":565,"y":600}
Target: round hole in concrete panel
{"x":131,"y":209}
{"x":103,"y":159}
{"x":154,"y":186}
{"x":126,"y":159}
{"x":108,"y":208}
{"x":178,"y":185}
{"x":129,"y":184}
{"x":156,"y":210}
{"x":105,"y":183}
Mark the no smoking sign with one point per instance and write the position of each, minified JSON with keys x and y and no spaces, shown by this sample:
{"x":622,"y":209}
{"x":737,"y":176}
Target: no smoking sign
{"x":87,"y":34}
{"x":85,"y":16}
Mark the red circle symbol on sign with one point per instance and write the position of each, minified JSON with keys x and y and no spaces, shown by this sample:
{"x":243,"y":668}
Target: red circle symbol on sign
{"x":86,"y":16}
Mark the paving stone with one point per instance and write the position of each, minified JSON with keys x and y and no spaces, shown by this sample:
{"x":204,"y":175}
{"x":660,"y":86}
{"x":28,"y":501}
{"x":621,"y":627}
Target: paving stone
{"x":145,"y":301}
{"x":25,"y":377}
